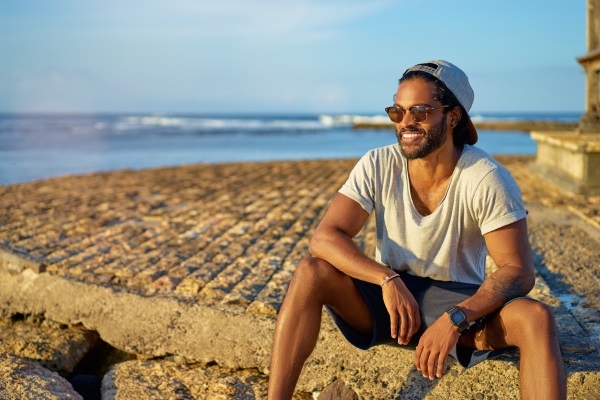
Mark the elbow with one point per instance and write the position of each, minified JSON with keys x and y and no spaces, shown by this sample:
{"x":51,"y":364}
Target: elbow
{"x":524,"y":281}
{"x":528,"y":282}
{"x":529,"y":278}
{"x":321,"y":242}
{"x":316,"y":245}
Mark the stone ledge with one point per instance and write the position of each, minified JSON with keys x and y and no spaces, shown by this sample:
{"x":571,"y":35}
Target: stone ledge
{"x":16,"y":263}
{"x":579,"y":142}
{"x":242,"y":341}
{"x":151,"y":326}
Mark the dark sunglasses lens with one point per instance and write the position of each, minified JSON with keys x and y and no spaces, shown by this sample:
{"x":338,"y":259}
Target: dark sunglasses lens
{"x":395,"y":114}
{"x":418,"y":114}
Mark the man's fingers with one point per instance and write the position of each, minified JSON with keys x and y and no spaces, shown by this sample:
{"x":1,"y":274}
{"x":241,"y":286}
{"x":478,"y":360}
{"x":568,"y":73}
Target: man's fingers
{"x":440,"y":365}
{"x":410,"y":329}
{"x":431,"y":365}
{"x":423,"y":363}
{"x":407,"y":328}
{"x":403,"y":328}
{"x":418,"y":352}
{"x":394,"y":324}
{"x":417,"y":322}
{"x":403,"y":311}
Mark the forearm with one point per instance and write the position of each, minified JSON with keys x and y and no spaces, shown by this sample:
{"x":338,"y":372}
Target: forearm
{"x":508,"y":282}
{"x":337,"y":248}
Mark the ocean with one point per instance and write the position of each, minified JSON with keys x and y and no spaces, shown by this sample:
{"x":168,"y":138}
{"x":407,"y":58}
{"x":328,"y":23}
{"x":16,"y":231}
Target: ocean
{"x":35,"y":147}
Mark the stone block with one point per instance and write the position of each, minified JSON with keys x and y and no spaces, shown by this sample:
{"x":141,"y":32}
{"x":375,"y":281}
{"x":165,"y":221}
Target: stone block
{"x":570,"y":160}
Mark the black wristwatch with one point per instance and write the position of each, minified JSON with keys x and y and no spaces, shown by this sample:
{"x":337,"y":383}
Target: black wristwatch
{"x":458,"y":319}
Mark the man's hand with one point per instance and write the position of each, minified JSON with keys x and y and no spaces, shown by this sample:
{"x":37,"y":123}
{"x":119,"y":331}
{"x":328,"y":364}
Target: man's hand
{"x":403,"y":309}
{"x":434,"y":346}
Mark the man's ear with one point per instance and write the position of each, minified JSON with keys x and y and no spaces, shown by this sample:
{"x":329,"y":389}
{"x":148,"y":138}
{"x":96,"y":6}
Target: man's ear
{"x":455,"y":116}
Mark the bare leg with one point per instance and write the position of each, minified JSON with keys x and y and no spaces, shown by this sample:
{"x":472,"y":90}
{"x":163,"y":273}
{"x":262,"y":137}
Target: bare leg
{"x":528,"y":325}
{"x":315,"y":283}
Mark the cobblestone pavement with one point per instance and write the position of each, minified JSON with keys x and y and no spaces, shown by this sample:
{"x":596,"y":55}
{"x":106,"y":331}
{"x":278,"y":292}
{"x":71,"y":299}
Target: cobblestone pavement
{"x":227,"y":235}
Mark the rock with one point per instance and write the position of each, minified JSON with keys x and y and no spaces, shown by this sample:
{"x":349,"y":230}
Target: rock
{"x":24,"y":379}
{"x":584,"y":385}
{"x":160,"y":379}
{"x":338,"y":391}
{"x":302,"y":396}
{"x":57,"y":348}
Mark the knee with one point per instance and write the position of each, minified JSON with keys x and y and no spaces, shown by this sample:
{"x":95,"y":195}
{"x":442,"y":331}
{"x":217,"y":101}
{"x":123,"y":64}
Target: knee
{"x":534,"y":320}
{"x":539,"y":316}
{"x":314,"y":277}
{"x":314,"y":271}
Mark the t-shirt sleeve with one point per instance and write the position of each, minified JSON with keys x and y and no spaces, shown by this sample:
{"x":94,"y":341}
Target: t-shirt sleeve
{"x":498,"y":201}
{"x":360,"y":184}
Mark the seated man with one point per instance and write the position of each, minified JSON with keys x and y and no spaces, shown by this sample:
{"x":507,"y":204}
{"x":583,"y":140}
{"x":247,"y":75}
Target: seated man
{"x":441,"y":205}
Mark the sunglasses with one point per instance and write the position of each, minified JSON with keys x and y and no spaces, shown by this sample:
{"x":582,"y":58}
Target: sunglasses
{"x":417,"y":113}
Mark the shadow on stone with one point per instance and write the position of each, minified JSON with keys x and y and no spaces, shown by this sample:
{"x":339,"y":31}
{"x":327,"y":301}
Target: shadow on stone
{"x":88,"y":386}
{"x":87,"y":377}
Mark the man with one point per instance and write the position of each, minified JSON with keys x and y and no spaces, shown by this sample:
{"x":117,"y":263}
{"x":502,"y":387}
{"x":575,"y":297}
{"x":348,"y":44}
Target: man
{"x":441,"y":205}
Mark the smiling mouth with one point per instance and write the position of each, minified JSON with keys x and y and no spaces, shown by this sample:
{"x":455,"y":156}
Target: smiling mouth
{"x":410,"y":136}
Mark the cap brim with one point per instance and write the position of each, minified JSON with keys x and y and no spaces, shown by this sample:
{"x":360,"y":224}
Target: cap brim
{"x":471,"y":132}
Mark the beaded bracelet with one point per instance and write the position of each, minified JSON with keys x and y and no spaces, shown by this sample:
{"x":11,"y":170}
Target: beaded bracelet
{"x":389,"y":278}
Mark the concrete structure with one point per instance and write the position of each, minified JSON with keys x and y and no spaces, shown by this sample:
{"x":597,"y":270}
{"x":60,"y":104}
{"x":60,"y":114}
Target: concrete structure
{"x":186,"y":268}
{"x":571,"y":159}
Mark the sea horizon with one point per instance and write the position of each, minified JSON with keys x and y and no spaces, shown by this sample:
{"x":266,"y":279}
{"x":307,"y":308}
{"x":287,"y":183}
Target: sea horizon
{"x":36,"y":146}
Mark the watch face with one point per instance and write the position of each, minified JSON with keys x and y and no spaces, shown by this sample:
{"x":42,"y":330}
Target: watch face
{"x":457,"y":318}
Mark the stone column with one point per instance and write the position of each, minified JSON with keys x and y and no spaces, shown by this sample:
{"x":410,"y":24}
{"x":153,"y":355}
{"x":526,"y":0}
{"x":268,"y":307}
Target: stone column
{"x":593,"y":26}
{"x":590,"y":122}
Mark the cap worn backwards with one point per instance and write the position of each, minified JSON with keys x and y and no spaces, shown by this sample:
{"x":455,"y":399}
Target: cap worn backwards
{"x":457,"y":82}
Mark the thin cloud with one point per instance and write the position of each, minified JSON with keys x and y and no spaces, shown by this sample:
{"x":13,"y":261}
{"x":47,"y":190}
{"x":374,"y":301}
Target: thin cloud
{"x":235,"y":18}
{"x":277,"y":17}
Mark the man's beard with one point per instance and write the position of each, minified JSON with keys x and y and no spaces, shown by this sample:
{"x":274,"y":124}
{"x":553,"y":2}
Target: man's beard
{"x":432,"y":140}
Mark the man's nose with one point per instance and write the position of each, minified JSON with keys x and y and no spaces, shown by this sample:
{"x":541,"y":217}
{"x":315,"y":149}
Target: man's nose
{"x":407,"y":120}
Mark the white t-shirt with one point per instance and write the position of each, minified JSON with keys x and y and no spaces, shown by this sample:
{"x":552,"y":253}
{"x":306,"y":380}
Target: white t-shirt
{"x":448,"y":244}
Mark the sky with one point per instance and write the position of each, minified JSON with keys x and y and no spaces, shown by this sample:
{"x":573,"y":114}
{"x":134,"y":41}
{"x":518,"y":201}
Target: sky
{"x":281,"y":56}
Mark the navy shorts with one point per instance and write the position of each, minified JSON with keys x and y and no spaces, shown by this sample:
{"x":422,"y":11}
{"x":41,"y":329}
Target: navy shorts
{"x":433,"y":297}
